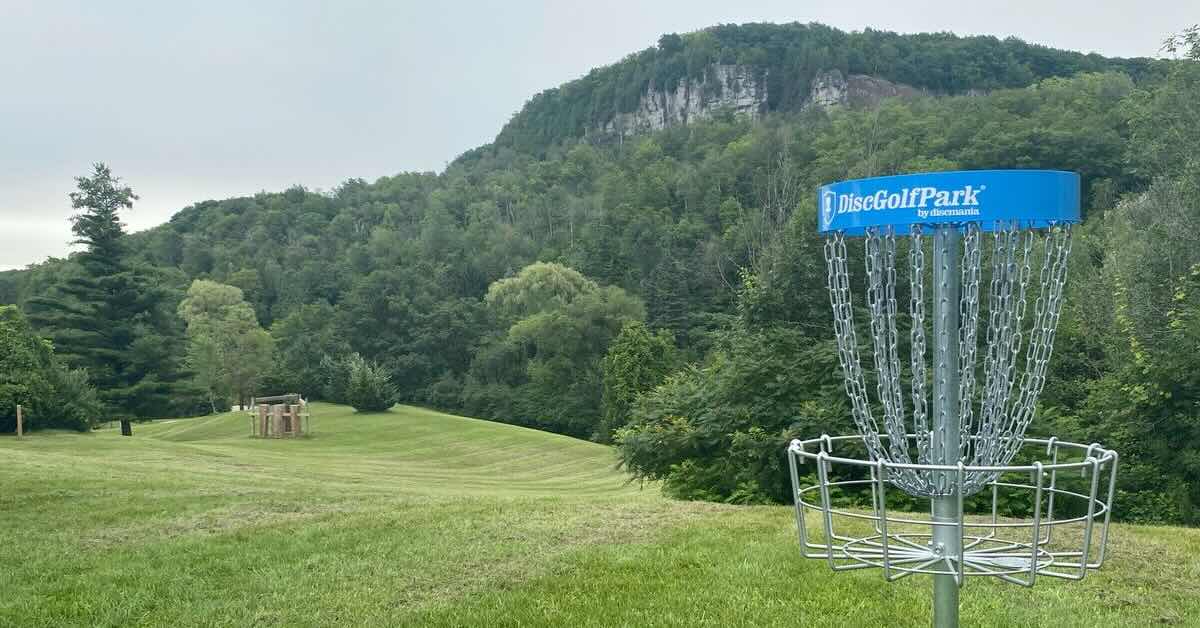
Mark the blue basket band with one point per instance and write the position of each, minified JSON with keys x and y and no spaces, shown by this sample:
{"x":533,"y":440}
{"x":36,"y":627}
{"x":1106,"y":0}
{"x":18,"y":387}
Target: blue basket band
{"x":1032,"y":198}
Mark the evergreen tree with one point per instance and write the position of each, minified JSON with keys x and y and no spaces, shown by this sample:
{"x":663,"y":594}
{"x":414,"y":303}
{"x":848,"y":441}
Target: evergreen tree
{"x":114,"y":317}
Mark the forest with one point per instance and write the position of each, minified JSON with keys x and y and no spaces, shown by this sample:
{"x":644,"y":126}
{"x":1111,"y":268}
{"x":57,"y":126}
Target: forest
{"x":667,"y":293}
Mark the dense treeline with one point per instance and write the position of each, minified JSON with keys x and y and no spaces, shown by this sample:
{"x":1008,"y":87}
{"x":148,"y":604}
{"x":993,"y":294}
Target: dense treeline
{"x":784,"y":58}
{"x":668,"y":292}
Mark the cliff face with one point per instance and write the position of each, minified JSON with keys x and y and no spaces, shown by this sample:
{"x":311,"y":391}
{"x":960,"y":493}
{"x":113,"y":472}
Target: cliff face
{"x":832,"y":89}
{"x":722,"y":87}
{"x":734,"y":87}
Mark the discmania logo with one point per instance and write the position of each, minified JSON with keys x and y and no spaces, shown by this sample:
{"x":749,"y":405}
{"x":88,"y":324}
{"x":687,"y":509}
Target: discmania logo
{"x":827,"y":200}
{"x":926,"y":201}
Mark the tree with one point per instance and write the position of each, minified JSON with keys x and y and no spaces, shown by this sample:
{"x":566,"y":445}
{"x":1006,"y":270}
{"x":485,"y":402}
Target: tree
{"x":541,"y":366}
{"x":30,"y":376}
{"x":637,"y":361}
{"x":539,"y":287}
{"x":1125,"y":375}
{"x":302,"y":339}
{"x":1186,"y":44}
{"x":114,"y":317}
{"x":718,"y":432}
{"x":25,"y":362}
{"x":206,"y":361}
{"x":1164,"y":121}
{"x":406,"y":320}
{"x":228,"y":351}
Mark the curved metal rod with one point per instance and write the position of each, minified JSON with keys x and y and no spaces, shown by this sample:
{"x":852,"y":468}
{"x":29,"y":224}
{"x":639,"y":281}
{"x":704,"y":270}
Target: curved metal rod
{"x":1102,"y":508}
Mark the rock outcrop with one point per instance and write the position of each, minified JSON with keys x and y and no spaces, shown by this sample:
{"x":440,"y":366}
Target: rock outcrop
{"x":832,"y":89}
{"x":722,"y":87}
{"x":736,"y":88}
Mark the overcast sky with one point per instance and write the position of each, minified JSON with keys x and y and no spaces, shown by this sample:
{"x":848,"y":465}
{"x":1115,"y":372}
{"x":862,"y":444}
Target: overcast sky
{"x":196,"y":100}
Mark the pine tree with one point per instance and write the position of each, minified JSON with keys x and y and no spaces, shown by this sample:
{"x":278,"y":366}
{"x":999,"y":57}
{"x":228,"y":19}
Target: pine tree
{"x":112,"y":318}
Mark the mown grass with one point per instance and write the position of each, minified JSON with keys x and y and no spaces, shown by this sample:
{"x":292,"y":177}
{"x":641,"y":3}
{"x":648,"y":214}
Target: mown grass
{"x":413,"y":517}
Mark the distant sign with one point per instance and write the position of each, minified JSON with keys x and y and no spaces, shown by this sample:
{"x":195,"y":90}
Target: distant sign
{"x":1034,"y":198}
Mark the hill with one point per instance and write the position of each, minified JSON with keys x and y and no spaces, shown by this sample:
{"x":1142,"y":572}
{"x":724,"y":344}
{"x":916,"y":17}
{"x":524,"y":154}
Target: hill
{"x":413,"y":517}
{"x":762,"y":68}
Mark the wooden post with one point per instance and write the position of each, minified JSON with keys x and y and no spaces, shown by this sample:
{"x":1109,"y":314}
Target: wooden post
{"x":20,"y":422}
{"x":277,"y":420}
{"x":296,"y":428}
{"x":263,"y":423}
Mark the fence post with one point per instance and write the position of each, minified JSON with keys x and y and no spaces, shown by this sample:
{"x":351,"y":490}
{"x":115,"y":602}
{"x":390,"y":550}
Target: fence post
{"x":20,"y":422}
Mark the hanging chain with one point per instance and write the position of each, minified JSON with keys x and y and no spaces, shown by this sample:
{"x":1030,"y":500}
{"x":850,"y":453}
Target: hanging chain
{"x":1047,"y":309}
{"x":967,"y":336}
{"x":993,"y":435}
{"x":880,"y":262}
{"x":855,"y":383}
{"x":916,"y":277}
{"x":843,"y":327}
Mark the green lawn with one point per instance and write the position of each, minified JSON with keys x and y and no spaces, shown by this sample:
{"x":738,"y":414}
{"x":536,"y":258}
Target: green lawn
{"x":418,"y":518}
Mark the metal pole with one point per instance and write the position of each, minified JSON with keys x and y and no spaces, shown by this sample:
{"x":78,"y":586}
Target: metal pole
{"x":947,"y":541}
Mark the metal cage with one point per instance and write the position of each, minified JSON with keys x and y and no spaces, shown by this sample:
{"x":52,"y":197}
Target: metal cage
{"x":903,"y":543}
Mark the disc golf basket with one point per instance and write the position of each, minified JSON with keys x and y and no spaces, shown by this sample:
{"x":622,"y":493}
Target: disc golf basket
{"x":948,"y":426}
{"x":279,"y":416}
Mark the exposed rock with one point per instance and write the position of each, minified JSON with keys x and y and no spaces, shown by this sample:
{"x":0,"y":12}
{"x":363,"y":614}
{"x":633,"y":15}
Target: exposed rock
{"x":832,"y":89}
{"x":732,"y":87}
{"x":735,"y":87}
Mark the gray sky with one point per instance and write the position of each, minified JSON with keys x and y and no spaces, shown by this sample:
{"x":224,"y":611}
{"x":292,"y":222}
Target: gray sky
{"x":196,"y":100}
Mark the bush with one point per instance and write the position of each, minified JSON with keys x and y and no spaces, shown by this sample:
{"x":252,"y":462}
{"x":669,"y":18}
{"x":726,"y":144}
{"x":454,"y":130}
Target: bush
{"x":369,"y":388}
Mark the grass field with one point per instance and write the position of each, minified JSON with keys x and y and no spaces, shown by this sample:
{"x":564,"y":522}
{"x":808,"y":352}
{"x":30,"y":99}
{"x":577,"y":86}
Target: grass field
{"x":418,"y":518}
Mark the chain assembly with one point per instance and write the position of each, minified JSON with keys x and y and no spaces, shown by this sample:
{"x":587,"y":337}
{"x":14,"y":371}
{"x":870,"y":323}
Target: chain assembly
{"x":996,"y":401}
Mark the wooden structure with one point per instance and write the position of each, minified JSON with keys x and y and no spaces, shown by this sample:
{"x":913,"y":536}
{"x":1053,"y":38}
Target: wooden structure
{"x":20,"y":422}
{"x":279,"y":416}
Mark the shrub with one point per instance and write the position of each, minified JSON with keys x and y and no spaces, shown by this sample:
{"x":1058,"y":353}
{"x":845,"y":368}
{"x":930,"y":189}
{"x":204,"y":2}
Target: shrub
{"x":369,"y":388}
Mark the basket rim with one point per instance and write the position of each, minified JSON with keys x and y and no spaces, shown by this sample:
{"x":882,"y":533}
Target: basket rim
{"x":1095,"y":455}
